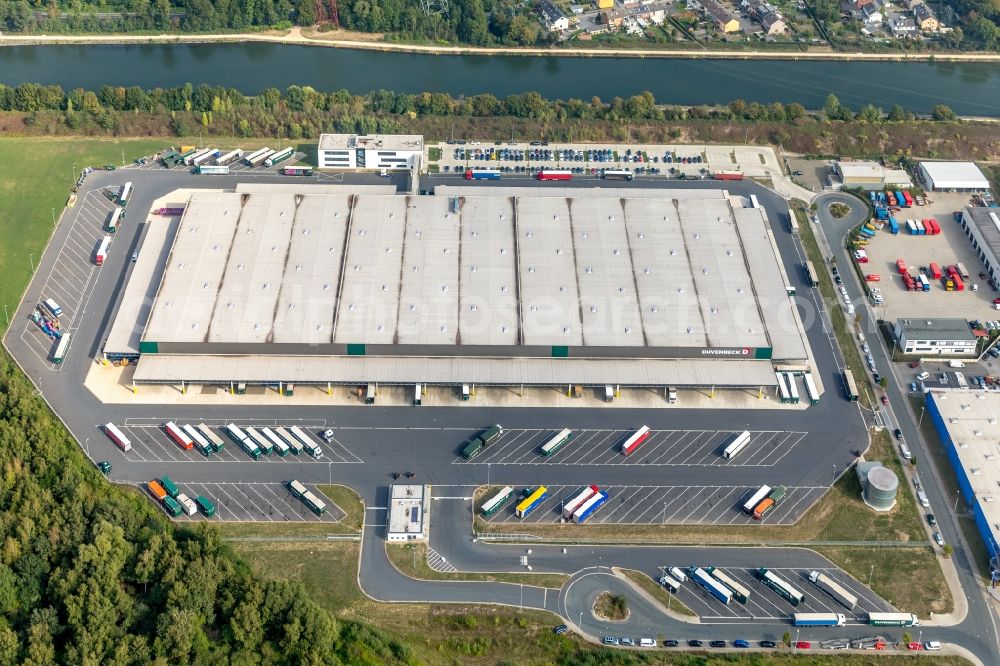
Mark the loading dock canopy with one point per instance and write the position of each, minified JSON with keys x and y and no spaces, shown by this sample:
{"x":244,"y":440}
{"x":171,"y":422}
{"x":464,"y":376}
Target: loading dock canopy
{"x":721,"y":373}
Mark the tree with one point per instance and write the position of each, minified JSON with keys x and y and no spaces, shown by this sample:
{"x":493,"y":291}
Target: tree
{"x":942,"y":112}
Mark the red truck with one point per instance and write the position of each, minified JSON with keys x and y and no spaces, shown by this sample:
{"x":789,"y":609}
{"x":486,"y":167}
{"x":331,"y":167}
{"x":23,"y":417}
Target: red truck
{"x":901,"y":266}
{"x":555,"y":175}
{"x":728,"y":175}
{"x":935,"y":271}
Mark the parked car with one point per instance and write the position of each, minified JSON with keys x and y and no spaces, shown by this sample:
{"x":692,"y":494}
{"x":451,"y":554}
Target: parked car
{"x":938,"y":539}
{"x":694,"y":642}
{"x":627,"y":641}
{"x":104,"y":466}
{"x":931,"y":520}
{"x":913,"y":645}
{"x":877,"y":377}
{"x":670,"y":643}
{"x":561,"y":629}
{"x":803,"y":645}
{"x":740,"y":643}
{"x":913,"y":387}
{"x":932,"y":645}
{"x":885,"y":399}
{"x":898,"y":434}
{"x":718,"y":644}
{"x":914,"y":364}
{"x":768,"y":644}
{"x":610,"y":640}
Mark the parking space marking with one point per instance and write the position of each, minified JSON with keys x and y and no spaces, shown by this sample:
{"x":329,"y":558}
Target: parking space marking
{"x":150,"y":443}
{"x":256,"y":502}
{"x":764,"y":603}
{"x":691,"y":448}
{"x":651,"y":505}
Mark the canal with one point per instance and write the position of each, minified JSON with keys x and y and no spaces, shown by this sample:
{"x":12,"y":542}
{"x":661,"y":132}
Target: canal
{"x":968,"y":88}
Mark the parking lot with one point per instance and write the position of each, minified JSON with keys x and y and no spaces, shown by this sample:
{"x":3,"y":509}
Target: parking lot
{"x":150,"y":443}
{"x":73,"y":273}
{"x":764,"y":603}
{"x":664,"y":447}
{"x":949,"y":247}
{"x":256,"y":502}
{"x":691,"y":161}
{"x":675,"y":505}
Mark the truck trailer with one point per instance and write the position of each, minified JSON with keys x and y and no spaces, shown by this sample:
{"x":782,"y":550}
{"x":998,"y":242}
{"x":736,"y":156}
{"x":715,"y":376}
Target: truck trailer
{"x":834,"y":589}
{"x":819,"y":620}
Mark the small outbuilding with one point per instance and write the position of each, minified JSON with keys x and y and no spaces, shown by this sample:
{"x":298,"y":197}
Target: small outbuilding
{"x":952,"y":176}
{"x":879,"y":485}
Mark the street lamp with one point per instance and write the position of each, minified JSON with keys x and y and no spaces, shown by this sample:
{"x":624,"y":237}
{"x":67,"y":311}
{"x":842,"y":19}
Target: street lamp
{"x":870,"y":575}
{"x":86,"y":446}
{"x":31,"y":259}
{"x":5,"y":314}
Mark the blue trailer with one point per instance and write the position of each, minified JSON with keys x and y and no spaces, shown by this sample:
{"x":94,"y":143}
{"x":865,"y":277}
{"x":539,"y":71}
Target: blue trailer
{"x":871,"y":195}
{"x":482,"y":175}
{"x":881,"y":198}
{"x":893,"y":225}
{"x":900,"y":199}
{"x":714,"y":587}
{"x":867,"y":233}
{"x":881,"y":212}
{"x":589,"y":507}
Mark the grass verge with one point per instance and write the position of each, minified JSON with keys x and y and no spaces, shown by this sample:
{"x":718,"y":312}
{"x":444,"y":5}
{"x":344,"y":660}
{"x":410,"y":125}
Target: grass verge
{"x":893,"y":572}
{"x":657,"y":591}
{"x":411,"y":560}
{"x":36,"y":176}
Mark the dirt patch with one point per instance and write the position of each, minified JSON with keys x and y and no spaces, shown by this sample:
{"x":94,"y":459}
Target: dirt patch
{"x":611,"y":607}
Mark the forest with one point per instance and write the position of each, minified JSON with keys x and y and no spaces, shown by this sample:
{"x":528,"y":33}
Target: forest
{"x":479,"y":22}
{"x":91,"y":573}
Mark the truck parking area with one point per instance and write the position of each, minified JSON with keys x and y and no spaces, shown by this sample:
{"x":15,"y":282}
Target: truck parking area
{"x":255,"y":502}
{"x":663,"y":447}
{"x":764,"y":603}
{"x":652,"y":505}
{"x":151,"y":443}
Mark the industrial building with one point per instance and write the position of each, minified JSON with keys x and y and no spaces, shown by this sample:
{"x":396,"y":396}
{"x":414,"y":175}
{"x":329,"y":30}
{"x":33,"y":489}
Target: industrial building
{"x":949,"y":336}
{"x":408,"y":506}
{"x":982,"y":226}
{"x":952,"y":177}
{"x":370,"y":151}
{"x":968,"y":423}
{"x":870,"y":176}
{"x":317,"y":284}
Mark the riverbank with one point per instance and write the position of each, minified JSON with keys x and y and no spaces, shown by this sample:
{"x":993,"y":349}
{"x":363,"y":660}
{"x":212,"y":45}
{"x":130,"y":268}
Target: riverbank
{"x":356,"y":41}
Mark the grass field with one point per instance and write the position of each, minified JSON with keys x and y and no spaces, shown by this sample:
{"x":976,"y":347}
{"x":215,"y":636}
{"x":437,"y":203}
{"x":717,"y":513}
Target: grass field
{"x":658,"y":592}
{"x":36,"y":176}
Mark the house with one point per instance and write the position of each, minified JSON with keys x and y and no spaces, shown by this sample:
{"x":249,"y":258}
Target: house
{"x":925,"y":19}
{"x":721,"y":16}
{"x":613,"y":19}
{"x":902,"y":25}
{"x":605,"y":4}
{"x":870,"y":14}
{"x":552,"y":17}
{"x":773,"y":24}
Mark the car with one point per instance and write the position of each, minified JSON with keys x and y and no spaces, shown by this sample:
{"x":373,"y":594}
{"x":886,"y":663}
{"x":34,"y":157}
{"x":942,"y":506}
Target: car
{"x":866,"y":349}
{"x":931,"y":520}
{"x":718,"y":644}
{"x":885,"y":399}
{"x":561,"y":629}
{"x":610,"y":640}
{"x":104,"y":466}
{"x":803,"y":645}
{"x":877,"y":377}
{"x":914,"y":364}
{"x":694,"y":642}
{"x":913,"y":645}
{"x":938,"y":539}
{"x":898,"y":434}
{"x":798,"y":173}
{"x":913,"y":387}
{"x":135,"y":256}
{"x":768,"y":644}
{"x":670,"y":643}
{"x":627,"y":641}
{"x":740,"y":643}
{"x":932,"y":645}
{"x":838,"y":280}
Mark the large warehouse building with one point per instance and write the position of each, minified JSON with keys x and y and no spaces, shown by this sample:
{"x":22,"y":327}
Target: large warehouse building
{"x":952,"y":176}
{"x":982,"y":226}
{"x":503,"y":286}
{"x":967,"y":422}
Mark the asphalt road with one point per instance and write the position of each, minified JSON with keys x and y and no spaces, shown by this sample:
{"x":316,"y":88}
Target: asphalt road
{"x":980,"y":626}
{"x":384,"y":439}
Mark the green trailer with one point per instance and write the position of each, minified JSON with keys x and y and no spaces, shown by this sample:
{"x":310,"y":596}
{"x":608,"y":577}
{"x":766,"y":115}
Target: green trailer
{"x":472,"y":449}
{"x":777,"y":494}
{"x":170,"y":486}
{"x":205,"y":506}
{"x":172,"y":506}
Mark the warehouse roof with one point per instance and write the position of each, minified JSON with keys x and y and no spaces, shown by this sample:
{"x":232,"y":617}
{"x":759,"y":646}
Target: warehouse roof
{"x":987,"y":221}
{"x":371,"y":141}
{"x":534,"y":267}
{"x":861,"y":170}
{"x":955,"y":175}
{"x":218,"y":369}
{"x":950,"y":328}
{"x":972,"y":420}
